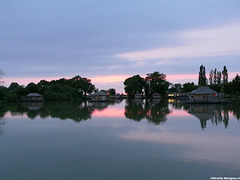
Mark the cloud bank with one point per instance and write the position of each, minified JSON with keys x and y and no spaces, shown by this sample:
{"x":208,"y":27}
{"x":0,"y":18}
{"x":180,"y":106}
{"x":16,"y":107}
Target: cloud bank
{"x":215,"y":41}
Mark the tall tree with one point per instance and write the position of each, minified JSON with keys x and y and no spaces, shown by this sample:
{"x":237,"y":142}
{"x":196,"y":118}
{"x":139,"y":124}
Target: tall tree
{"x":215,"y":76}
{"x":111,"y":91}
{"x":225,"y":75}
{"x":219,"y":77}
{"x":236,"y":84}
{"x":134,"y":85}
{"x":157,"y":83}
{"x":84,"y":85}
{"x":202,"y":80}
{"x":33,"y":88}
{"x":13,"y":86}
{"x":211,"y":74}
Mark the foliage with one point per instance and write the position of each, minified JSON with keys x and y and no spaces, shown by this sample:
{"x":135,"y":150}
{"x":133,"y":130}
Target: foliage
{"x":84,"y":85}
{"x":157,"y":83}
{"x":236,"y":84}
{"x":216,"y":87}
{"x":33,"y":88}
{"x":175,"y":87}
{"x":134,"y":85}
{"x":202,"y":80}
{"x":211,"y":76}
{"x":3,"y":92}
{"x":232,"y":87}
{"x":188,"y":87}
{"x":20,"y":92}
{"x":62,"y":89}
{"x":111,"y":91}
{"x":218,"y":77}
{"x":13,"y":86}
{"x":11,"y":97}
{"x":225,"y":75}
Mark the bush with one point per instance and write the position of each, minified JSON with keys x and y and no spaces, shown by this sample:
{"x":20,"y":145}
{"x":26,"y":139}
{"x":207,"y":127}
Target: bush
{"x":50,"y":96}
{"x":11,"y":97}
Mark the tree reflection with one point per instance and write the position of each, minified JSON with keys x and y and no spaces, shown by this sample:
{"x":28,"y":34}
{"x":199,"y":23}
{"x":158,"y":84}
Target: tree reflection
{"x":62,"y":110}
{"x":77,"y":111}
{"x":216,"y":113}
{"x":154,"y":111}
{"x":3,"y":111}
{"x":134,"y":110}
{"x":234,"y":108}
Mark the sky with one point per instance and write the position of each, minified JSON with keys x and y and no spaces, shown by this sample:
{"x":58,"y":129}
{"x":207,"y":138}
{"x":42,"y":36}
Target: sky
{"x":108,"y":41}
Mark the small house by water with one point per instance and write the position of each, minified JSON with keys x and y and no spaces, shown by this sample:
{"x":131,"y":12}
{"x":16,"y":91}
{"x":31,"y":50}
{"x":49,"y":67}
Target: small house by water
{"x":138,"y":96}
{"x":34,"y":97}
{"x":98,"y":96}
{"x":176,"y":95}
{"x":156,"y":96}
{"x":117,"y":96}
{"x":204,"y":94}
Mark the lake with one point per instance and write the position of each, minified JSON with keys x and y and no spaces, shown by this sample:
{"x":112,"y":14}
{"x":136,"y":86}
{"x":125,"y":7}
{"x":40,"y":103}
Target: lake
{"x":122,"y":139}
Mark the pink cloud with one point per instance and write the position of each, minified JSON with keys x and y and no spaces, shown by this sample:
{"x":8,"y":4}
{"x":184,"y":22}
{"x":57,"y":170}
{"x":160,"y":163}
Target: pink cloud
{"x":109,"y":79}
{"x":173,"y":77}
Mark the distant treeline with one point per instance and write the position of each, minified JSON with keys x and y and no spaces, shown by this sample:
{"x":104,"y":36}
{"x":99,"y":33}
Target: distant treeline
{"x":156,"y":83}
{"x":78,"y":87}
{"x":218,"y":80}
{"x":62,"y":89}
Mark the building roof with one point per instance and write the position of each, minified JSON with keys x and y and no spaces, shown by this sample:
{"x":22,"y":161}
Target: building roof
{"x":99,"y":93}
{"x":34,"y":95}
{"x":203,"y":90}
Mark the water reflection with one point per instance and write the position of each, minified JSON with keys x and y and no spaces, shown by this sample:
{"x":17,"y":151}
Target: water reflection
{"x":154,"y":111}
{"x":77,"y":111}
{"x":3,"y":111}
{"x":214,"y":112}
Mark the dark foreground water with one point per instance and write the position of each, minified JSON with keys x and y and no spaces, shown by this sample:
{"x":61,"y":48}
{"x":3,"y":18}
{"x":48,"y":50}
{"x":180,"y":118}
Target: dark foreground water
{"x":119,"y":140}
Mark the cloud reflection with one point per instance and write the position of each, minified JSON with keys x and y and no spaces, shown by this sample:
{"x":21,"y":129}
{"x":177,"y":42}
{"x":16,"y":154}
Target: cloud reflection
{"x":202,"y":147}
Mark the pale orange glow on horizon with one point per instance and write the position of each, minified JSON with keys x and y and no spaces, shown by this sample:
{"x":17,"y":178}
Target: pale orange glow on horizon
{"x":108,"y":79}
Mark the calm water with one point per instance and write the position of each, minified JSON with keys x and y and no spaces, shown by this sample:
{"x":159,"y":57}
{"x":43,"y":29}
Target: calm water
{"x":119,"y":140}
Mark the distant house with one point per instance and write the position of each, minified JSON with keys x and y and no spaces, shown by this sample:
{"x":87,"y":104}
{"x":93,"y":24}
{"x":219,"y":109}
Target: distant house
{"x":176,"y":95}
{"x":204,"y":94}
{"x":117,"y":96}
{"x":156,"y":96}
{"x":34,"y":97}
{"x":98,"y":96}
{"x":138,"y":96}
{"x":172,"y":94}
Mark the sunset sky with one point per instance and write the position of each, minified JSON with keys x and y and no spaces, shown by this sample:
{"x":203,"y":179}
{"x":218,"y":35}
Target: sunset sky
{"x":108,"y":41}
